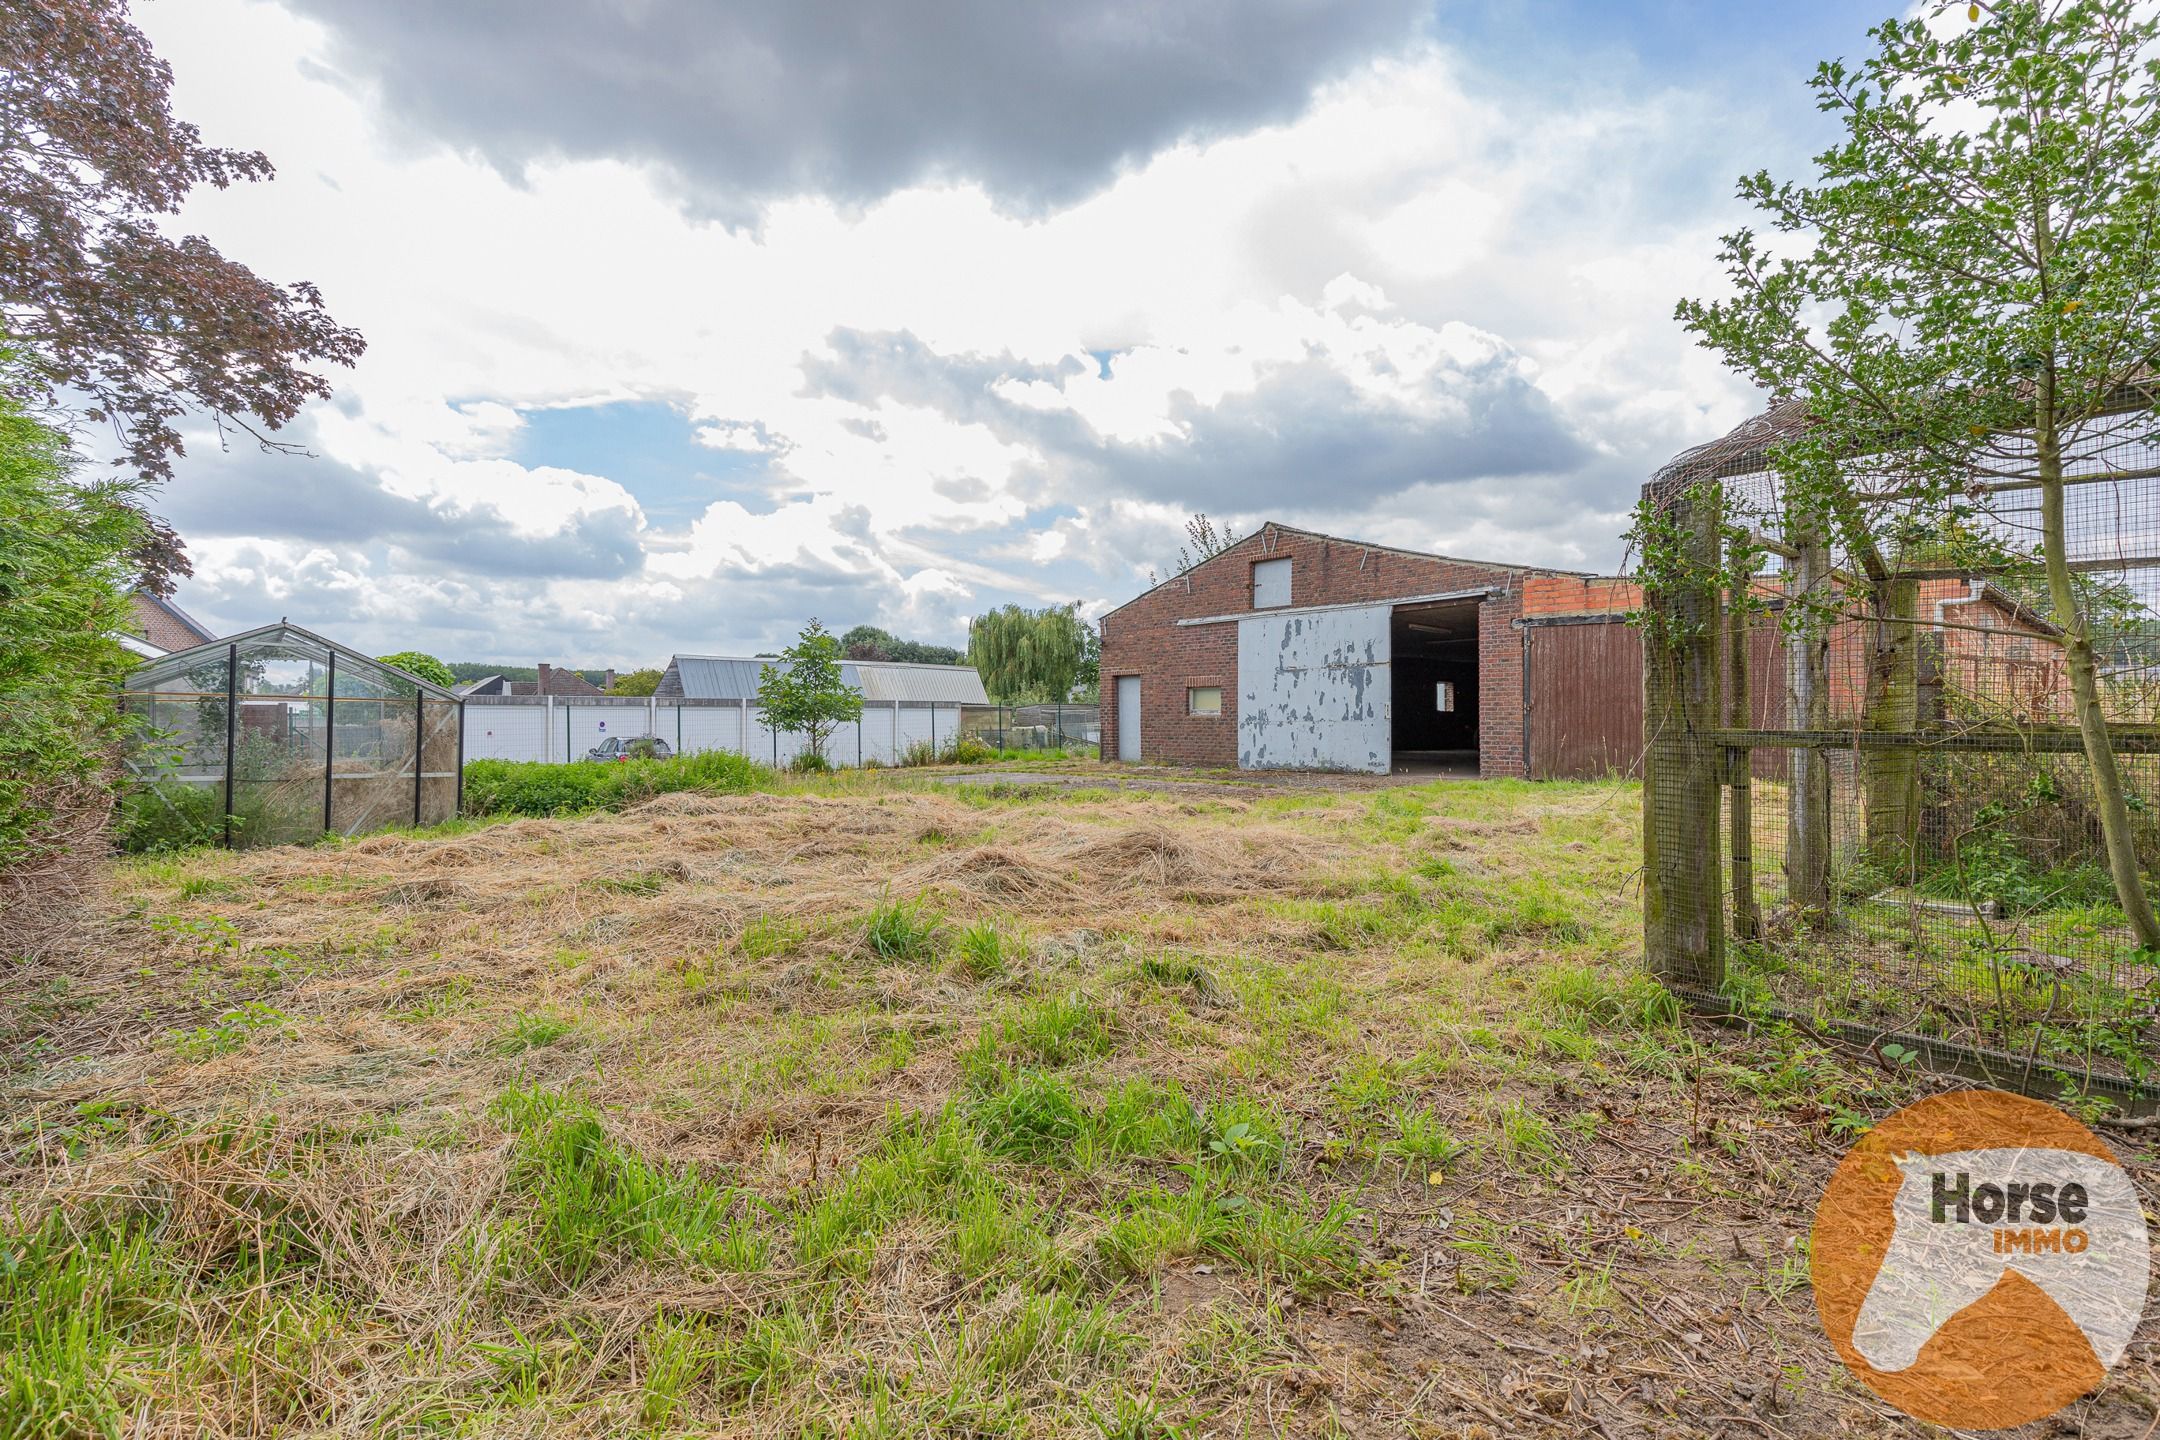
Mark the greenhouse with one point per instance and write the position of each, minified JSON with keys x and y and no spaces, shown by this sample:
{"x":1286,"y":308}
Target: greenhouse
{"x":278,"y":735}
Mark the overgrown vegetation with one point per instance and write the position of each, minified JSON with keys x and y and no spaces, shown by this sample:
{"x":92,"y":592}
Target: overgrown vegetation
{"x":65,"y":571}
{"x":533,"y":787}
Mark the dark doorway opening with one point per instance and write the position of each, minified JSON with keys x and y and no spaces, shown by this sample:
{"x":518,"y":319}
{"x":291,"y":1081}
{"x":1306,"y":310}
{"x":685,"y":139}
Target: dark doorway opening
{"x":1433,"y":721}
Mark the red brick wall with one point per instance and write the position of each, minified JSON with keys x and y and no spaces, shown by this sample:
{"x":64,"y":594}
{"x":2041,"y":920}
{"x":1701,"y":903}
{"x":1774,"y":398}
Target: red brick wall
{"x":1144,"y":639}
{"x":1500,"y":687}
{"x":160,"y":627}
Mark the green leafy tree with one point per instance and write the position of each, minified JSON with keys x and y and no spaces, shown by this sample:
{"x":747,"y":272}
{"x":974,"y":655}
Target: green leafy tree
{"x":868,"y":642}
{"x":1028,"y":655}
{"x":65,"y":572}
{"x":637,"y":682}
{"x":1971,"y":299}
{"x":1088,"y":684}
{"x":427,"y":667}
{"x":804,"y":691}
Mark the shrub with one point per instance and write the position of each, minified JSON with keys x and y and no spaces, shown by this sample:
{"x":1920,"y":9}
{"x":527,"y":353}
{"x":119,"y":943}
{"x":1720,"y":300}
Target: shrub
{"x":512,"y":787}
{"x":164,"y":815}
{"x":65,"y":568}
{"x":427,"y":667}
{"x":809,"y":762}
{"x":965,"y":750}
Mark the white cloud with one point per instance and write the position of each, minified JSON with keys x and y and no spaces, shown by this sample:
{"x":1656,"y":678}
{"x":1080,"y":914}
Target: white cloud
{"x":1391,"y":253}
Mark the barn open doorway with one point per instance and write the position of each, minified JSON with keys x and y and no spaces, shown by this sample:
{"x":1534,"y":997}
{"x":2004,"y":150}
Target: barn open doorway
{"x":1433,"y":720}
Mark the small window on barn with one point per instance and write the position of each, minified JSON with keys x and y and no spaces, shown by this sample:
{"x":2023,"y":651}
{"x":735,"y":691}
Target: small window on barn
{"x":1203,"y":700}
{"x":1444,"y":697}
{"x":1270,"y":584}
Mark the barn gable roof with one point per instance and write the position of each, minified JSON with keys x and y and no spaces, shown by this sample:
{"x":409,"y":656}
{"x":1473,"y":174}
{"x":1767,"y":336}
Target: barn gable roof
{"x":1276,"y":526}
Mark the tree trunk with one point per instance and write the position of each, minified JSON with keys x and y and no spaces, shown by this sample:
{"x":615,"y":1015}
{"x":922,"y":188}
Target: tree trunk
{"x":1807,"y":694}
{"x":1890,"y":778}
{"x":1746,"y":913}
{"x":2084,"y":681}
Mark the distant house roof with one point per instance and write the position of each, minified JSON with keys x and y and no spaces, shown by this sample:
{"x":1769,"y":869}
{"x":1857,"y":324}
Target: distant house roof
{"x":556,"y":681}
{"x":164,"y":624}
{"x":732,"y":677}
{"x":485,"y":685}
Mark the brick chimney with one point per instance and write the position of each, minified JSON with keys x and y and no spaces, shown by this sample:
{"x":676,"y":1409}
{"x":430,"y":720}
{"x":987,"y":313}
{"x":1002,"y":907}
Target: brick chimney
{"x":547,"y":672}
{"x":609,"y":682}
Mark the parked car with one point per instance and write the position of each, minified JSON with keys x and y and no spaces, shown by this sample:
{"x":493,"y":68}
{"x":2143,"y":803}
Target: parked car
{"x":636,"y":747}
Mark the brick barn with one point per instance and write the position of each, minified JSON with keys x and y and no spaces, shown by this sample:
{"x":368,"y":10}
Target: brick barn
{"x":1297,"y":650}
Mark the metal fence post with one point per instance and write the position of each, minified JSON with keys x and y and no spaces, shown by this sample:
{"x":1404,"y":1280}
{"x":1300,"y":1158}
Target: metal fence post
{"x":419,"y":749}
{"x":232,"y":727}
{"x":460,"y":804}
{"x":329,"y":762}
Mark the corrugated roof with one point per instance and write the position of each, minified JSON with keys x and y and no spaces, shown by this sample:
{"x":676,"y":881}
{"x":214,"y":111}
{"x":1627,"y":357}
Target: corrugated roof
{"x":884,"y":680}
{"x":716,"y":677}
{"x":726,"y":677}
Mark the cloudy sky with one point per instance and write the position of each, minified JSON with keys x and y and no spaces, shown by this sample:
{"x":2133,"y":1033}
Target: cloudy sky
{"x":687,"y":321}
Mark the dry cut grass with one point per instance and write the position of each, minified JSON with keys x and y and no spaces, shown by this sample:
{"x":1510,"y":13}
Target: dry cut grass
{"x":903,"y":1111}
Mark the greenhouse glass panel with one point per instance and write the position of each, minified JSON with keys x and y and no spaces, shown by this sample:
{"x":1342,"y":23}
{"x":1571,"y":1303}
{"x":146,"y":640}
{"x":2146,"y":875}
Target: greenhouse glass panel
{"x":278,"y":735}
{"x":277,"y":762}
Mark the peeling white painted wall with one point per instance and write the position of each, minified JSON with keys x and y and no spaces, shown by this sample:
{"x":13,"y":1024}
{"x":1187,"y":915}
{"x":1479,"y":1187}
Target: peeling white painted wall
{"x":1314,"y":690}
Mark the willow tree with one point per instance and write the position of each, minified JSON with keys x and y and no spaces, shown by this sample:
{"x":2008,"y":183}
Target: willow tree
{"x":1966,"y":305}
{"x":1025,"y":654}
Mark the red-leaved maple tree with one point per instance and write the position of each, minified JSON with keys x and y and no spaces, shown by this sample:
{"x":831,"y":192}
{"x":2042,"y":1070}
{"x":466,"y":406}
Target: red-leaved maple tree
{"x":103,"y":310}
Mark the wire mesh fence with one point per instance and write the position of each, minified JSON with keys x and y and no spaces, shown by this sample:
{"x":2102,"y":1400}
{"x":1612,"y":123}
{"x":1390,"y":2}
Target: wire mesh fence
{"x":1869,"y":804}
{"x":1034,"y":727}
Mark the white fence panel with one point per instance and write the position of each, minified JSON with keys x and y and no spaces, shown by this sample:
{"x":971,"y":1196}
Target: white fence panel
{"x":709,"y":727}
{"x":505,"y":732}
{"x":534,"y":730}
{"x":879,"y":733}
{"x":591,"y":725}
{"x":915,"y":727}
{"x":843,"y":746}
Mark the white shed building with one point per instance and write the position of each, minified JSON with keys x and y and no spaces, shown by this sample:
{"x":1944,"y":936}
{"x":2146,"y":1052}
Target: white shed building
{"x":709,"y":702}
{"x":904,"y":705}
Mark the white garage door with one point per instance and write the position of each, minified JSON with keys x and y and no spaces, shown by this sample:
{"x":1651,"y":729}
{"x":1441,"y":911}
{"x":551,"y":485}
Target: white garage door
{"x":1313,"y":690}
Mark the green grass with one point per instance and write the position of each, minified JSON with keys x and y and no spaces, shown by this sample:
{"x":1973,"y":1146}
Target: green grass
{"x":800,"y":1149}
{"x":510,"y":787}
{"x":904,"y":931}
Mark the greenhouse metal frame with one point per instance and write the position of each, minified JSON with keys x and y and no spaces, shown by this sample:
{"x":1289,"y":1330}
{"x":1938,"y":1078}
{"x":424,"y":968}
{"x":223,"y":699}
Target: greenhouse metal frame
{"x":278,"y":735}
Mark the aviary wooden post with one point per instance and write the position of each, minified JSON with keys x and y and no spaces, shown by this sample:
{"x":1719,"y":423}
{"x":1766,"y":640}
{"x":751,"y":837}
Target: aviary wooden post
{"x":1683,"y":887}
{"x":1739,"y":715}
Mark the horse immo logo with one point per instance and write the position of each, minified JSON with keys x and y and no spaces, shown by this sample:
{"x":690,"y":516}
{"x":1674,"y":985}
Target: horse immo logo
{"x":1980,"y":1259}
